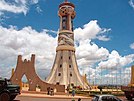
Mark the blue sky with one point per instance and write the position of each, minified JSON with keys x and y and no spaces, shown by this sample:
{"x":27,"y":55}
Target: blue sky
{"x":117,"y":15}
{"x":104,"y":34}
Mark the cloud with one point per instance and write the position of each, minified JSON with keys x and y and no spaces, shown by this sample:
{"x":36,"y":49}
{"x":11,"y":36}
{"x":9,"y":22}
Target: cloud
{"x":1,"y":13}
{"x":89,"y":53}
{"x":24,"y":2}
{"x":38,"y":9}
{"x":5,"y":6}
{"x":98,"y":63}
{"x":103,"y":38}
{"x":5,"y":72}
{"x":25,"y":42}
{"x":116,"y":61}
{"x":34,"y":1}
{"x":25,"y":37}
{"x":91,"y":31}
{"x":121,"y":76}
{"x":50,"y":31}
{"x":132,"y":46}
{"x":90,"y":56}
{"x":131,"y":3}
{"x":17,"y":6}
{"x":109,"y":76}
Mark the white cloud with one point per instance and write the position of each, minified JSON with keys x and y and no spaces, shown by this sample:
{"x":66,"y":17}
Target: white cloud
{"x":4,"y":6}
{"x":35,"y":1}
{"x":91,"y":58}
{"x":89,"y":53}
{"x":38,"y":9}
{"x":131,"y":2}
{"x":50,"y":31}
{"x":91,"y":31}
{"x":18,"y":6}
{"x":103,"y":38}
{"x":116,"y":61}
{"x":26,"y":41}
{"x":24,"y":38}
{"x":132,"y":46}
{"x":5,"y":72}
{"x":127,"y":70}
{"x":110,"y":76}
{"x":24,"y":2}
{"x":122,"y":76}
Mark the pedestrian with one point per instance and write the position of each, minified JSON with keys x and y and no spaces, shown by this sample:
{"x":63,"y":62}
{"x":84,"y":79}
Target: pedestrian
{"x":48,"y":91}
{"x":79,"y":99}
{"x":67,"y":90}
{"x":52,"y":91}
{"x":73,"y":92}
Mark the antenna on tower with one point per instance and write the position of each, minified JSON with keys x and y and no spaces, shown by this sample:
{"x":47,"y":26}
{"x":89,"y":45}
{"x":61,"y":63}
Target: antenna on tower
{"x":66,"y":0}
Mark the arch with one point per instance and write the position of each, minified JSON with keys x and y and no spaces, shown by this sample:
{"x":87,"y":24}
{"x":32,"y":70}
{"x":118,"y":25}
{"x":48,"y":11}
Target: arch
{"x":25,"y":83}
{"x":27,"y":68}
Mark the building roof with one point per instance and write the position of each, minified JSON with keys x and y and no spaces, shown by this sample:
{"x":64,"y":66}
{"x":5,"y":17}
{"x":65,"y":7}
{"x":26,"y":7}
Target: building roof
{"x":67,"y":3}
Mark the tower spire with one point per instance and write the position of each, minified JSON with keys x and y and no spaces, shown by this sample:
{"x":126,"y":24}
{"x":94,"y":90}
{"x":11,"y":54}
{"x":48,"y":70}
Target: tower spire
{"x":66,"y":0}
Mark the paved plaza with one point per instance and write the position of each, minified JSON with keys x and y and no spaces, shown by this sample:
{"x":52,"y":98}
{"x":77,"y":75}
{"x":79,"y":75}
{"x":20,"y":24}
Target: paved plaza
{"x":44,"y":97}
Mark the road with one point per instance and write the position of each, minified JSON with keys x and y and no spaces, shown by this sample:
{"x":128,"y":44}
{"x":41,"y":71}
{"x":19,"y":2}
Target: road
{"x":28,"y":98}
{"x":22,"y":98}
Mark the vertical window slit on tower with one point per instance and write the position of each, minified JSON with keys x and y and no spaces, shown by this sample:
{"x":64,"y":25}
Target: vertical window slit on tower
{"x":71,"y":74}
{"x":59,"y":74}
{"x":60,"y":65}
{"x":69,"y":66}
{"x":57,"y":83}
{"x":64,"y":22}
{"x":72,"y":24}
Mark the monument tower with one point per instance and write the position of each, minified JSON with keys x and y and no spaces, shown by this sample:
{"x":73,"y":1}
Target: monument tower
{"x":65,"y":70}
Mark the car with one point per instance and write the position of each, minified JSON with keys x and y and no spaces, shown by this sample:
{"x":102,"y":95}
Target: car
{"x":105,"y":98}
{"x":8,"y":91}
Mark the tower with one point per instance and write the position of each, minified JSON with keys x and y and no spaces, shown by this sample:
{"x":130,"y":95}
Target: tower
{"x":65,"y":70}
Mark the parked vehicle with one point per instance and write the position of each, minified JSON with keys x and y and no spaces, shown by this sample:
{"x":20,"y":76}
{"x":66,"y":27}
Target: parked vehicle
{"x":105,"y":98}
{"x":129,"y":91}
{"x":8,"y":91}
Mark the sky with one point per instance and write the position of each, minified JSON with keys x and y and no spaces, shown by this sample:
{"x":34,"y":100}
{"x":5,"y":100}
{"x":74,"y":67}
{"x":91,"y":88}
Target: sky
{"x":104,"y":37}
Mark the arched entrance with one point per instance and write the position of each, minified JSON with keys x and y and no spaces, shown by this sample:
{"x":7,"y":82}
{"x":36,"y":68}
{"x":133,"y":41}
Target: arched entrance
{"x":24,"y":83}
